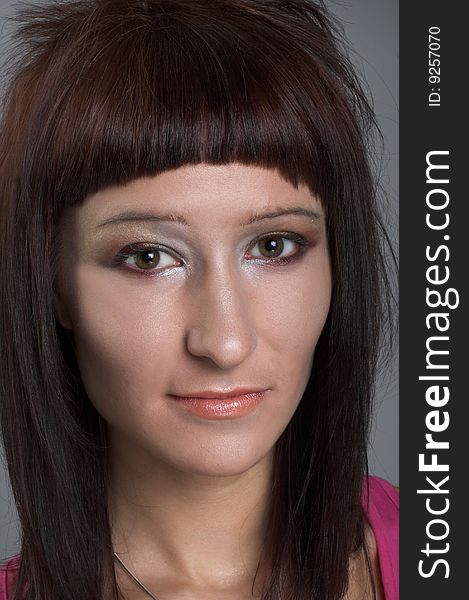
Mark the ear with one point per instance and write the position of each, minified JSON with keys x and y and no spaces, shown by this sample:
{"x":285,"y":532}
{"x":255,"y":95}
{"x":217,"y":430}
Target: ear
{"x":60,"y":310}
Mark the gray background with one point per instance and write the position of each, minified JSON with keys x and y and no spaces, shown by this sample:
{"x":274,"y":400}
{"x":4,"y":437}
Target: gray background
{"x":372,"y":28}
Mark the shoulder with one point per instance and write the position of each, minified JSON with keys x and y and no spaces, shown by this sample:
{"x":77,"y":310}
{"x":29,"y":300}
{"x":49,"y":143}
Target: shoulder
{"x":8,"y":575}
{"x":380,"y":495}
{"x":380,"y":501}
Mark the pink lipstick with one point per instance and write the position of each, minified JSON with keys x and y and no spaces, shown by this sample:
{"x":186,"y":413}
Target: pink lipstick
{"x":219,"y":405}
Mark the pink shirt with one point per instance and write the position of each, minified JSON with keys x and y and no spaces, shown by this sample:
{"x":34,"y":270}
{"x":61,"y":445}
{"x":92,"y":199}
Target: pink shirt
{"x":382,"y":511}
{"x":383,"y":516}
{"x":8,"y":573}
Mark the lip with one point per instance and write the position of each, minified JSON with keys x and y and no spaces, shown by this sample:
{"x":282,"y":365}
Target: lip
{"x":233,"y":393}
{"x":221,"y":405}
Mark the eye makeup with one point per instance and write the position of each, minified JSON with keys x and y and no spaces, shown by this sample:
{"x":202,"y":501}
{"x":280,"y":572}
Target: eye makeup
{"x":151,"y":252}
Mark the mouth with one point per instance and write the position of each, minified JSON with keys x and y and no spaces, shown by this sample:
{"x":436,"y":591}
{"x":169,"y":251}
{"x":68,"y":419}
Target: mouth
{"x":215,"y":405}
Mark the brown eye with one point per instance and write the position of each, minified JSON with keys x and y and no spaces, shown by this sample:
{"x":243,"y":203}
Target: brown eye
{"x":271,"y":247}
{"x":279,"y":248}
{"x":147,"y":259}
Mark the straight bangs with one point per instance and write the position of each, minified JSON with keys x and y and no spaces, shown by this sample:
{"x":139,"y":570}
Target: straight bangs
{"x":120,"y":93}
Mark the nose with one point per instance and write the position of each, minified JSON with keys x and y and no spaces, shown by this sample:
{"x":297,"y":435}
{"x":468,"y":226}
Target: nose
{"x":223,"y":325}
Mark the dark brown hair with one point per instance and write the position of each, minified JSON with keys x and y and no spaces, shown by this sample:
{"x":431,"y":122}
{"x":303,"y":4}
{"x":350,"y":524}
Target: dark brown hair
{"x":102,"y":92}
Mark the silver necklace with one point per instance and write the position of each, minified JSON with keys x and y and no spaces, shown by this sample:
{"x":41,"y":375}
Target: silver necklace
{"x":135,"y":578}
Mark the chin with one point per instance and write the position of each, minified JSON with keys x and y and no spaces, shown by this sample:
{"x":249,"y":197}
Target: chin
{"x":224,"y":464}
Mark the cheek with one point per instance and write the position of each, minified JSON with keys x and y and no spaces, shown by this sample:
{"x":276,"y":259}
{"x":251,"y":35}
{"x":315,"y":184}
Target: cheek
{"x":125,"y":340}
{"x":298,"y":311}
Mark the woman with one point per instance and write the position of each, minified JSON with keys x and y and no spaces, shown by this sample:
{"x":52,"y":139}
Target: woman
{"x":190,"y":331}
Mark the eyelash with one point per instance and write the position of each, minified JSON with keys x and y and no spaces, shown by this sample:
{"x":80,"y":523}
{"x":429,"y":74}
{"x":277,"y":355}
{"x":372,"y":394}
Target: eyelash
{"x":132,"y":249}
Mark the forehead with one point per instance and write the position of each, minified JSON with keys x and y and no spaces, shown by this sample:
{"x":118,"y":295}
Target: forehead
{"x":222,"y":193}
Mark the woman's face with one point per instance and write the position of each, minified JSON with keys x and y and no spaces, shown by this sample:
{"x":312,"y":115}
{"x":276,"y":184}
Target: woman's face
{"x":227,"y":285}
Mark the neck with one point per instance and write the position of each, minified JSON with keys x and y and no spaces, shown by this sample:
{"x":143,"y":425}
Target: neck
{"x":200,"y":531}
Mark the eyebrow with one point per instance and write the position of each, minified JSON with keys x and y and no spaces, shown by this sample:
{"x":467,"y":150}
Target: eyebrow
{"x":178,"y":218}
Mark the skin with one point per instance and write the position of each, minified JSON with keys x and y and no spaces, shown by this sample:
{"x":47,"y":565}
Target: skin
{"x":188,"y":495}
